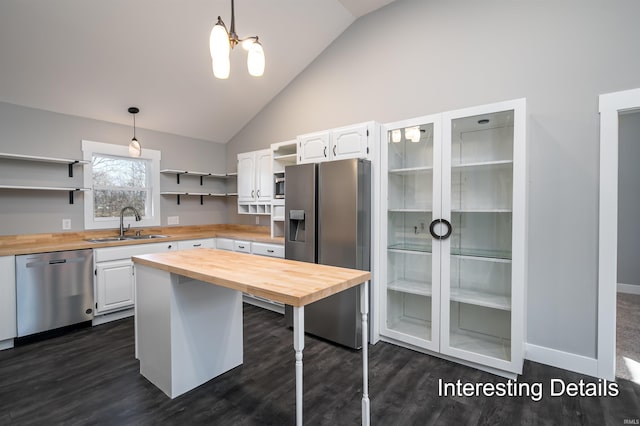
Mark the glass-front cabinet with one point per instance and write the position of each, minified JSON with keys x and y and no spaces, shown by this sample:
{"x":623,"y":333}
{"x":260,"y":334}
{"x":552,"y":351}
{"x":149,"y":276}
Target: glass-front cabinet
{"x":455,"y":218}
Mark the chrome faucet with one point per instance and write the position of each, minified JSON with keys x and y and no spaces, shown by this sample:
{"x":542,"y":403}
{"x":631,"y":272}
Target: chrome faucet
{"x":136,"y":215}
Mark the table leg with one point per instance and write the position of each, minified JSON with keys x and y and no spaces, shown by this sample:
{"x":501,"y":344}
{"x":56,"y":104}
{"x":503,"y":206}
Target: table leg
{"x":298,"y":346}
{"x":364,"y":309}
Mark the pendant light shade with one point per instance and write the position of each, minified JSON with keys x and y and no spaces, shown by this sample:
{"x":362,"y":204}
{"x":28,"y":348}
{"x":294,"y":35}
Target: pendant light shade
{"x":255,"y":59}
{"x":222,"y":41}
{"x":135,"y":150}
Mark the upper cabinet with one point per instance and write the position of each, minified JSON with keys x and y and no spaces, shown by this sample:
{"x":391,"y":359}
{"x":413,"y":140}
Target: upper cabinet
{"x":255,"y":186}
{"x":354,"y":141}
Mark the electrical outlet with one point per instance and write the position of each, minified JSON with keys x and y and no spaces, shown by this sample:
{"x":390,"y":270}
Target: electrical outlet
{"x":66,"y":224}
{"x":257,"y":220}
{"x":173,"y":220}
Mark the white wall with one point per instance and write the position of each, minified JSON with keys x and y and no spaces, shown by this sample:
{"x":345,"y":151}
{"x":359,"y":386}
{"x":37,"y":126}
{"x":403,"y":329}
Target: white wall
{"x":36,"y":132}
{"x":426,"y":56}
{"x":629,"y":199}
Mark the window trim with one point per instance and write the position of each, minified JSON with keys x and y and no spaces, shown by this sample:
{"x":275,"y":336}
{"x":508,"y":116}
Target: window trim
{"x":90,"y":222}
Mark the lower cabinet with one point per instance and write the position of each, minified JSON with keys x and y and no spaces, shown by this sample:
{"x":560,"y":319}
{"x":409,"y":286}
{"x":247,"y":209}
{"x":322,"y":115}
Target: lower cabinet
{"x":260,"y":249}
{"x":200,"y":243}
{"x":8,"y":328}
{"x":114,"y":277}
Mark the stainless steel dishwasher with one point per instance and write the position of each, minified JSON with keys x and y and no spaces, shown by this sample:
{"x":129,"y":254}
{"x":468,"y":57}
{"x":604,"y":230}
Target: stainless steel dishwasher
{"x":53,"y":290}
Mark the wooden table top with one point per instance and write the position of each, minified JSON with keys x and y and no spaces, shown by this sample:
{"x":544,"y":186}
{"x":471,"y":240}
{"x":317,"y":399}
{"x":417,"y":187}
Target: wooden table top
{"x":287,"y":281}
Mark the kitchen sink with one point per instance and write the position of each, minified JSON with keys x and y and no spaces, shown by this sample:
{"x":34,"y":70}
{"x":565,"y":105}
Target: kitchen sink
{"x":126,"y":238}
{"x":145,"y":237}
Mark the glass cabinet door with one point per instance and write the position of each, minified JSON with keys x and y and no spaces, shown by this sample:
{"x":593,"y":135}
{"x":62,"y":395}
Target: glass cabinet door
{"x":412,"y":180}
{"x":478,"y":182}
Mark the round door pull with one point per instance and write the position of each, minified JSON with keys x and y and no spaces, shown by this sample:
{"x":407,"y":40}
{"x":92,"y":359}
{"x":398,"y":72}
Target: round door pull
{"x":432,"y":229}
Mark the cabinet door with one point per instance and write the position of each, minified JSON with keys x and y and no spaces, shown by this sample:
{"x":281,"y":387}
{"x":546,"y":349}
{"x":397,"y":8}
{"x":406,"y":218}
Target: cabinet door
{"x":411,"y":188}
{"x":8,"y":298}
{"x":115,"y":285}
{"x":482,"y":265}
{"x":350,"y":142}
{"x":264,"y":177}
{"x":313,"y":147}
{"x":246,"y":177}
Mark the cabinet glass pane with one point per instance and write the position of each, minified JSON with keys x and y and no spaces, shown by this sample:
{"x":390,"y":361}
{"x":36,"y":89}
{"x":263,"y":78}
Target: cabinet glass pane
{"x":410,"y":205}
{"x":481,"y":242}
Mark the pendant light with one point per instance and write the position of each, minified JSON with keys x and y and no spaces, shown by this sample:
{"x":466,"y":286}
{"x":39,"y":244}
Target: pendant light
{"x":221,"y":42}
{"x":134,"y":146}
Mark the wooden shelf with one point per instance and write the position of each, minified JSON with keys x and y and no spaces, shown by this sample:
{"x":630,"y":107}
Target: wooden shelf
{"x":178,"y":194}
{"x":42,"y":159}
{"x":47,"y":188}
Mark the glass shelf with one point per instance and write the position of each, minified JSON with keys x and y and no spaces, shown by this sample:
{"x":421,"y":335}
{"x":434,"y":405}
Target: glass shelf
{"x":410,"y":326}
{"x":483,"y":165}
{"x":480,"y":298}
{"x":410,"y":170}
{"x":412,"y":287}
{"x":412,"y":247}
{"x":482,"y":344}
{"x":481,"y":253}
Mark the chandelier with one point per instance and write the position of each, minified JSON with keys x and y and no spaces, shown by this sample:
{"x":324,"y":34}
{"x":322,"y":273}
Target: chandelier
{"x":222,"y":41}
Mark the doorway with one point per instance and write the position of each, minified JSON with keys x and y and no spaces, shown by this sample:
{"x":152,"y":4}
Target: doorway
{"x":612,"y":105}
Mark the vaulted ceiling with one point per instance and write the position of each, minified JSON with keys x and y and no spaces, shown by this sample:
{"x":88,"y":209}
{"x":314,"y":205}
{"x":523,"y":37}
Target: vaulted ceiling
{"x":95,"y":58}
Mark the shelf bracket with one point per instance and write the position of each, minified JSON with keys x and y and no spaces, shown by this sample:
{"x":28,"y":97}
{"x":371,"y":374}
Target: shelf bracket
{"x":201,"y":199}
{"x":201,"y":180}
{"x":178,"y":181}
{"x":71,"y":194}
{"x":71,"y":168}
{"x":178,"y":198}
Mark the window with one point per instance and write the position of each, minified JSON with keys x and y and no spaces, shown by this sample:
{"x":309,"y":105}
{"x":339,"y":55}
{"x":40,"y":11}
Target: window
{"x":118,"y":181}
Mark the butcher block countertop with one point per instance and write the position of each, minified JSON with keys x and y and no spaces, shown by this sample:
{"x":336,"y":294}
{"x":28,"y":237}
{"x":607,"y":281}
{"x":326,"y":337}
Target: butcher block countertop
{"x":42,"y":243}
{"x":287,"y":281}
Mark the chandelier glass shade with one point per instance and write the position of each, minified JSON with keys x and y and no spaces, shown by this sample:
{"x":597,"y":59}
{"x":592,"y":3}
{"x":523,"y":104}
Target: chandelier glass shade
{"x":222,"y":41}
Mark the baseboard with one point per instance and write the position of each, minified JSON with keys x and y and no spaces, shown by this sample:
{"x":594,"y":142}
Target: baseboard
{"x":103,"y":319}
{"x":628,"y":288}
{"x":565,"y":360}
{"x":6,"y":344}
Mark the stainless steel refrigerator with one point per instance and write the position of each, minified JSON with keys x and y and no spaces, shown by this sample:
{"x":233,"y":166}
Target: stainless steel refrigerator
{"x":328,"y":221}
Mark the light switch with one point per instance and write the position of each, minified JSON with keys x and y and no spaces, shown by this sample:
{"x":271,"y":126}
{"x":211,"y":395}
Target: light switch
{"x":66,"y":224}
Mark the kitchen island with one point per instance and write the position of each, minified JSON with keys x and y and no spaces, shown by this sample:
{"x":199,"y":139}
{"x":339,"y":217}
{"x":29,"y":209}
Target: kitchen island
{"x":189,"y":312}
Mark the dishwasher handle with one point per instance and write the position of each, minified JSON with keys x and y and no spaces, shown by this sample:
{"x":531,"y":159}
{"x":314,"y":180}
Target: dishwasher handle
{"x":53,"y":262}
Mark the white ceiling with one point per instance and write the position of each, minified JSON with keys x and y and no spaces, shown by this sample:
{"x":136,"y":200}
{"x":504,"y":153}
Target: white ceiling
{"x":95,"y":58}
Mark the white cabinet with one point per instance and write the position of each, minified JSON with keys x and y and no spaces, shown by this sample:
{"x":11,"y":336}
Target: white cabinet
{"x":114,"y":282}
{"x":115,"y":285}
{"x":255,"y":187}
{"x":242,"y":246}
{"x":8,"y":328}
{"x":454,"y":261}
{"x":353,"y":141}
{"x":199,"y":243}
{"x":265,"y":249}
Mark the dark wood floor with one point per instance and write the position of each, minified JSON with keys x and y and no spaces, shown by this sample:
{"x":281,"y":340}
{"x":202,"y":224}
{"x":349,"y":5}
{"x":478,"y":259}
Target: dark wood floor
{"x":90,"y":376}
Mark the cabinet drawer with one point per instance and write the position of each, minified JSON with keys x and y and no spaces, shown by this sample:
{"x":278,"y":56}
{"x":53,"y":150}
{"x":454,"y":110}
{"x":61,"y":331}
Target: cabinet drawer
{"x":190,"y":244}
{"x":273,"y":250}
{"x":243,"y":246}
{"x":224,"y":244}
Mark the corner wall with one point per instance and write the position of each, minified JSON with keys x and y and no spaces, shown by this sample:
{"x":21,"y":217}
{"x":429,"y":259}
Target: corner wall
{"x":417,"y":57}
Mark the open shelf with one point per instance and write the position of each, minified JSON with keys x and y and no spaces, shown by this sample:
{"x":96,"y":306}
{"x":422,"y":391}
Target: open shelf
{"x":41,"y":159}
{"x":256,"y":209}
{"x":479,"y":343}
{"x":479,"y":298}
{"x":285,"y":158}
{"x":43,"y":188}
{"x":178,"y":194}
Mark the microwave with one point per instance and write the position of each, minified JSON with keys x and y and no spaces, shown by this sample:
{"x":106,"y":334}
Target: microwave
{"x":278,"y":189}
